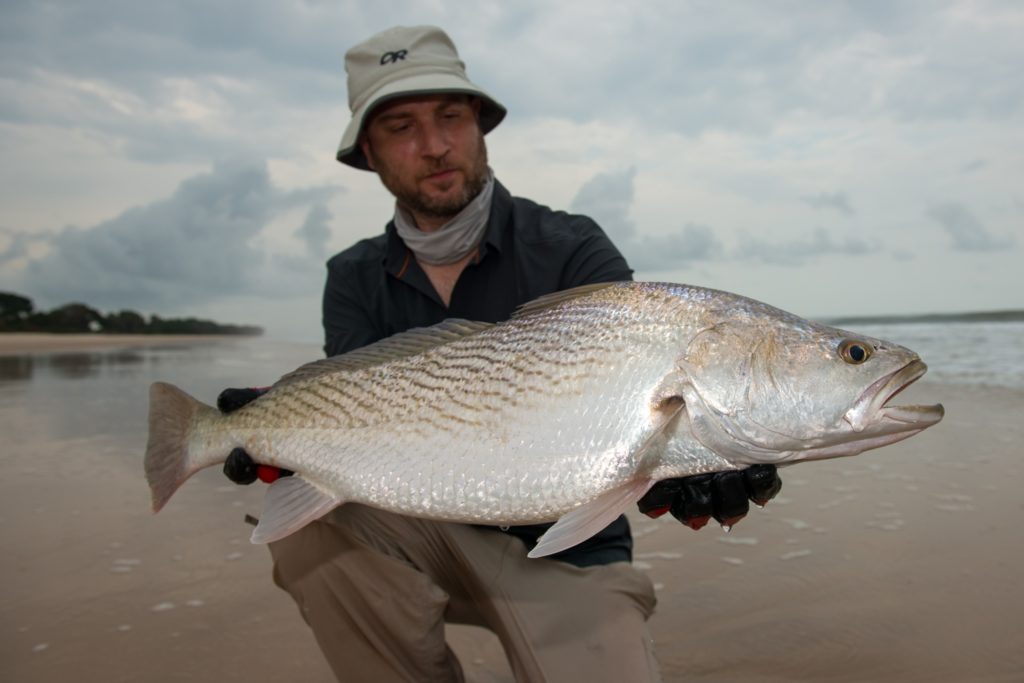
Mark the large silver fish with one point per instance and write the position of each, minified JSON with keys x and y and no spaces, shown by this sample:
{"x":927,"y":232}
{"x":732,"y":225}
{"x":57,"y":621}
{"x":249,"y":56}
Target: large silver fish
{"x":569,"y":411}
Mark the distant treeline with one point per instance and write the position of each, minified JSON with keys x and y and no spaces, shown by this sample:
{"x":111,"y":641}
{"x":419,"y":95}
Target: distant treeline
{"x":18,"y":314}
{"x":976,"y":317}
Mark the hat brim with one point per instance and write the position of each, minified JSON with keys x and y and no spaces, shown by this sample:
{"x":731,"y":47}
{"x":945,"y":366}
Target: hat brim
{"x":491,"y":111}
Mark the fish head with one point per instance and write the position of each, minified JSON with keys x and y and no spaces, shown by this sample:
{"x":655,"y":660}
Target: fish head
{"x":773,"y":388}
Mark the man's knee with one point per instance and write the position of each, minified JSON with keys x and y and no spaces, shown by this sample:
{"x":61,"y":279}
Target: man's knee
{"x":328,"y":560}
{"x":302,"y":554}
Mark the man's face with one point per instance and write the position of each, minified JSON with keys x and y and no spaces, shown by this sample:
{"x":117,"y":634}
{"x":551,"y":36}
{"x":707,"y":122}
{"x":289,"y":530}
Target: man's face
{"x":429,"y":152}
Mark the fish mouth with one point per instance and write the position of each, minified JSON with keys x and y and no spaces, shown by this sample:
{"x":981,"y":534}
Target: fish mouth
{"x":872,"y":409}
{"x":870,"y":423}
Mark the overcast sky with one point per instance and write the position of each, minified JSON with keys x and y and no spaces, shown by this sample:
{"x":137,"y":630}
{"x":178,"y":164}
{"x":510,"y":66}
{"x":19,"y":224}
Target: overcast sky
{"x":830,"y":158}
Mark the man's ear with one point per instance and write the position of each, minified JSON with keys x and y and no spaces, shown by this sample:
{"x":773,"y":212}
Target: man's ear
{"x":364,"y":145}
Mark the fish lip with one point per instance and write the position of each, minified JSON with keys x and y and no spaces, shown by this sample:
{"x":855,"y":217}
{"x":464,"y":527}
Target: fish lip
{"x":901,"y":379}
{"x":872,"y":406}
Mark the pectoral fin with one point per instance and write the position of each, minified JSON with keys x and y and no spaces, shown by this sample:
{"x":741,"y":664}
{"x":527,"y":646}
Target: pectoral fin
{"x":585,"y":521}
{"x":290,"y":504}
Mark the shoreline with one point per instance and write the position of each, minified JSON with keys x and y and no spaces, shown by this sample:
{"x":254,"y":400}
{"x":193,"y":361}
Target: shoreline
{"x":38,"y":343}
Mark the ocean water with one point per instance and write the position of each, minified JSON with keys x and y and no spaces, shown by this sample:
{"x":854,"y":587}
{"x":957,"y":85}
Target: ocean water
{"x":985,"y":354}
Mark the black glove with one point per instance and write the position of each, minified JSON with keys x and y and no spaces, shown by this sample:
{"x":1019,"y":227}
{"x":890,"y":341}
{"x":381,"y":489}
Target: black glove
{"x":725,"y":496}
{"x":239,"y":467}
{"x":231,"y":400}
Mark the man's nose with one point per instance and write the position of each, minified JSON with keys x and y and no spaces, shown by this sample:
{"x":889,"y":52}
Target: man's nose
{"x":434,"y":141}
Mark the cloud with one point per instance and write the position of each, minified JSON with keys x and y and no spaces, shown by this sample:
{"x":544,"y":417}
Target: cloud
{"x":608,"y":197}
{"x":742,"y":67}
{"x":201,"y":244}
{"x":17,"y":244}
{"x":800,"y":251}
{"x":973,"y":166}
{"x":965,"y":231}
{"x":315,"y":230}
{"x":185,"y":82}
{"x":688,"y":244}
{"x":837,"y":201}
{"x":189,"y":77}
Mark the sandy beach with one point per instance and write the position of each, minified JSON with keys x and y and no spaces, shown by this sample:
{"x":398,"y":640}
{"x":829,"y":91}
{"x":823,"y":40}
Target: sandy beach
{"x":901,"y":564}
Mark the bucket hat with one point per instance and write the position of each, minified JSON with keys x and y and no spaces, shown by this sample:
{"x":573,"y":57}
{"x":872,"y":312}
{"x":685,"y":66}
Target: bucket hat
{"x":403,"y":61}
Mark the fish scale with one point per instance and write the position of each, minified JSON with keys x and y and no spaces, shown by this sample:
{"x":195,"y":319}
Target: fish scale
{"x":462,"y":393}
{"x":570,"y":410}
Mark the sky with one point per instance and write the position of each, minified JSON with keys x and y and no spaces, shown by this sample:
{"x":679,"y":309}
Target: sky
{"x":829,"y":158}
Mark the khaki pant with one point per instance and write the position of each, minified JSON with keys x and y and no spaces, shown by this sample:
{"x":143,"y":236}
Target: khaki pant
{"x":377,"y":589}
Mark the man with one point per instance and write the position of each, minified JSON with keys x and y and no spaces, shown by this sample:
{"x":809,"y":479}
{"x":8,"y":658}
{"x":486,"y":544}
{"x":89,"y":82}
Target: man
{"x":375,"y":587}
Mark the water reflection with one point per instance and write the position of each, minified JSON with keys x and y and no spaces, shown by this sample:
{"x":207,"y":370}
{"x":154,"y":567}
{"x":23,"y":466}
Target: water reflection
{"x":74,"y":365}
{"x":74,"y":396}
{"x":77,"y":365}
{"x":15,"y":367}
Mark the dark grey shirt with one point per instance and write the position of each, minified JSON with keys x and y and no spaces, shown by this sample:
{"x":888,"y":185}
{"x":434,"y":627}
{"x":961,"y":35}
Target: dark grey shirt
{"x":376,"y":289}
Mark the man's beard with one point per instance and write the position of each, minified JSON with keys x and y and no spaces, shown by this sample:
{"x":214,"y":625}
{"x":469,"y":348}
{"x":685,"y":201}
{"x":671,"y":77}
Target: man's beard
{"x":419,"y":203}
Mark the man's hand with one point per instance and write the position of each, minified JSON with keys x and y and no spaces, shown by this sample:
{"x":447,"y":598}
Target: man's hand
{"x":725,"y":496}
{"x":239,"y":467}
{"x":231,"y":400}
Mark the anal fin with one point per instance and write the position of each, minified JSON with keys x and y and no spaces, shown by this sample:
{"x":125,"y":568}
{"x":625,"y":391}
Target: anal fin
{"x":586,"y":520}
{"x":290,"y":504}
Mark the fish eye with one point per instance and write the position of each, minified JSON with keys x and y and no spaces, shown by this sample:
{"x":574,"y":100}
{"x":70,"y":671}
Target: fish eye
{"x":855,"y":352}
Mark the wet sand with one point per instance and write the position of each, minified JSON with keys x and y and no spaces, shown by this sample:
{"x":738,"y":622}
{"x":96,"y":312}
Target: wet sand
{"x":902,"y":564}
{"x":21,"y":343}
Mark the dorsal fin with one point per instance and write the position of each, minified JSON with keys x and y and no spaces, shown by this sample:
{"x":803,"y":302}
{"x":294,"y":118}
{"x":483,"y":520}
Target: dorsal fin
{"x":543,"y":303}
{"x":400,"y":345}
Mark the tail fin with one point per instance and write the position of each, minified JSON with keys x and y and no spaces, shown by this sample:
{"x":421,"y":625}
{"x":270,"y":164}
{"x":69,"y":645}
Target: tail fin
{"x":172,"y":415}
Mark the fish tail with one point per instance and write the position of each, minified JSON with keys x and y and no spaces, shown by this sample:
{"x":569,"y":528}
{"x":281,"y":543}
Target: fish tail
{"x":169,"y":462}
